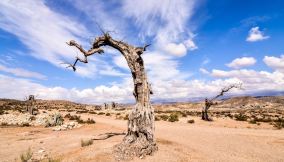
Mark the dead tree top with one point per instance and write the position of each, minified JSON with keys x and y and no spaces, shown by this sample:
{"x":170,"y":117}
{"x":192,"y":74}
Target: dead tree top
{"x":104,"y":40}
{"x":226,"y":89}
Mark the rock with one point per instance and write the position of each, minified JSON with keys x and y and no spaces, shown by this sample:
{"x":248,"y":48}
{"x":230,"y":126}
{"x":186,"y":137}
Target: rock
{"x":41,"y":151}
{"x":58,"y":128}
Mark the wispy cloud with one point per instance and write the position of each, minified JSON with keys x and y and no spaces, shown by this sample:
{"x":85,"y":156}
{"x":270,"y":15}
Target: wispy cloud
{"x":40,"y":29}
{"x":22,"y":72}
{"x":165,"y":20}
{"x":256,"y":35}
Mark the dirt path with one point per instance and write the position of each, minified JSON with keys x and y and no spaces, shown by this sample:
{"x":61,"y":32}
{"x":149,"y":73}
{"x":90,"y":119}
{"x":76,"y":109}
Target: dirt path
{"x":177,"y":142}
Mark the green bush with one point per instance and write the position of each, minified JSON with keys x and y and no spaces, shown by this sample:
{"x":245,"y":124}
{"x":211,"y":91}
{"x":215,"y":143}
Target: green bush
{"x":164,"y":117}
{"x":173,"y":117}
{"x":240,"y":117}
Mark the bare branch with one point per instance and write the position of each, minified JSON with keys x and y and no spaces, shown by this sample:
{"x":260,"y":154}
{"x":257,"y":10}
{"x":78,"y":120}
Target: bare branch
{"x":140,"y":50}
{"x":226,"y":89}
{"x":108,"y":135}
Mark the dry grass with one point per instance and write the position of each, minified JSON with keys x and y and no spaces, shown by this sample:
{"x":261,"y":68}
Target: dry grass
{"x":85,"y":143}
{"x":26,"y":156}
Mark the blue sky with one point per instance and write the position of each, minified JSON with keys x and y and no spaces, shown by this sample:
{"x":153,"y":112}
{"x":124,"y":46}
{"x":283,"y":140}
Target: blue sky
{"x":197,"y":47}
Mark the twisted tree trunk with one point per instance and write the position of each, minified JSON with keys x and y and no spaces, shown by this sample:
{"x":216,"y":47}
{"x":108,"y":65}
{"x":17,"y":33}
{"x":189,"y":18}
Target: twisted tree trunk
{"x":139,"y":140}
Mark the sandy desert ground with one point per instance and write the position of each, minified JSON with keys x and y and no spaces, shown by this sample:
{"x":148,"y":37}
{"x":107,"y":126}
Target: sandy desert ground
{"x":221,"y":140}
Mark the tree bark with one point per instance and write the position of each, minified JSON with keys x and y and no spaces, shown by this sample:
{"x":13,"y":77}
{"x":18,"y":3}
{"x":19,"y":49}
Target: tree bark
{"x":139,"y":140}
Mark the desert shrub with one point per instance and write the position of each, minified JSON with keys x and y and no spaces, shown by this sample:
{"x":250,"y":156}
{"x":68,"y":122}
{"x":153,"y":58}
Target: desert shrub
{"x":279,"y":124}
{"x":252,"y":121}
{"x":86,"y":142}
{"x":25,"y":125}
{"x":191,"y":121}
{"x":107,"y":114}
{"x":229,"y":115}
{"x":74,"y":117}
{"x":240,"y":117}
{"x":90,"y":121}
{"x":26,"y":156}
{"x":164,"y":117}
{"x":68,"y":116}
{"x":117,"y":113}
{"x":173,"y":117}
{"x":92,"y":112}
{"x":4,"y":124}
{"x":125,"y":117}
{"x":101,"y":113}
{"x":183,"y":114}
{"x":82,"y":111}
{"x":54,"y":120}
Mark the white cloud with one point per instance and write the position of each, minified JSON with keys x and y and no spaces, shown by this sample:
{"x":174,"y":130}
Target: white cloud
{"x":176,"y":49}
{"x":22,"y":72}
{"x":254,"y":81}
{"x":165,"y":20}
{"x":277,"y":63}
{"x":256,"y":35}
{"x":19,"y":88}
{"x":242,"y":62}
{"x":166,"y":87}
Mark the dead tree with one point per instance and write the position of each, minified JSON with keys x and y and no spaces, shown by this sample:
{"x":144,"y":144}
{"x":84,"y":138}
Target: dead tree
{"x":139,"y":139}
{"x":208,"y":103}
{"x":30,"y":105}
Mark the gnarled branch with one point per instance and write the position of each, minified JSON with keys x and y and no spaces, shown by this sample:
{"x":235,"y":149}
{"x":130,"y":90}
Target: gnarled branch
{"x":107,"y":135}
{"x":226,"y":89}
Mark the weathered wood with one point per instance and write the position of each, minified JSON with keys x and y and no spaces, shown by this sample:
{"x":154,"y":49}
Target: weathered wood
{"x":139,"y":139}
{"x":208,"y":103}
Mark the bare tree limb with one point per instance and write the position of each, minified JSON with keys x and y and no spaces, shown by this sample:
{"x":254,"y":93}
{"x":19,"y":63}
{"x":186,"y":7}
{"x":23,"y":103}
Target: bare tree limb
{"x":226,"y":89}
{"x":108,"y":135}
